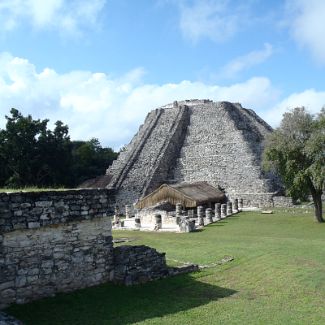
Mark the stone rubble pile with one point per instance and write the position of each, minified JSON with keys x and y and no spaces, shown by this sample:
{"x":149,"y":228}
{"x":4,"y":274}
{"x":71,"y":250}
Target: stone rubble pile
{"x":140,"y":264}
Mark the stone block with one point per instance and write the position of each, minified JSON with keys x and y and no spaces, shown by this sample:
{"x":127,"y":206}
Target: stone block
{"x":33,"y":225}
{"x":43,"y":204}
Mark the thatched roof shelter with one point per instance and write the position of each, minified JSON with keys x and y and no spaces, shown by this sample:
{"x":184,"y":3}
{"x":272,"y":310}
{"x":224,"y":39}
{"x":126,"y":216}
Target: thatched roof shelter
{"x":190,"y":195}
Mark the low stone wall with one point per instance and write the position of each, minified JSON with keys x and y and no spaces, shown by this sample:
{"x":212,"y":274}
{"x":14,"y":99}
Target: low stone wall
{"x":39,"y":262}
{"x":61,"y":241}
{"x":53,"y":241}
{"x":282,"y":202}
{"x":29,"y":210}
{"x":138,"y":264}
{"x":255,"y":200}
{"x":269,"y":200}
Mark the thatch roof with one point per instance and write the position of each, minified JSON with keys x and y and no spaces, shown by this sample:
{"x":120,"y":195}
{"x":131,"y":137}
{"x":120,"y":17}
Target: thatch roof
{"x":190,"y":195}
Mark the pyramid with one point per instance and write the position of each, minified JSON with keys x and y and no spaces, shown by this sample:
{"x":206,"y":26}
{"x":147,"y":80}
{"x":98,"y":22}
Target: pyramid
{"x":196,"y":140}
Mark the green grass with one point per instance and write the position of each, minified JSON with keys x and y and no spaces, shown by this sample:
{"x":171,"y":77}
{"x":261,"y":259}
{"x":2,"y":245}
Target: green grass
{"x":277,"y":277}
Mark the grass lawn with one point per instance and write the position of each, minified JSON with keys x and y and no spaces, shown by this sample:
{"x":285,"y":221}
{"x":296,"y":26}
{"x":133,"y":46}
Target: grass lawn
{"x":277,"y":277}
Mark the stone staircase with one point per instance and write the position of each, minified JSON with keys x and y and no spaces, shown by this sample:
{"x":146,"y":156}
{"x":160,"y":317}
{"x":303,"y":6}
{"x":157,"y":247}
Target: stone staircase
{"x":142,"y":167}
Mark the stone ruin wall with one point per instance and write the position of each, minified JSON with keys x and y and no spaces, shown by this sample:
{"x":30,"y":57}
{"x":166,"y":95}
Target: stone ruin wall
{"x":197,"y":140}
{"x":52,"y":242}
{"x":60,"y":241}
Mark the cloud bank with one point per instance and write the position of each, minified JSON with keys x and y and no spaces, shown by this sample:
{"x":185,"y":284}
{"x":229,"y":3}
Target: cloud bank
{"x":66,"y":16}
{"x":209,"y":19}
{"x":247,"y":61}
{"x":111,"y":109}
{"x":307,"y":25}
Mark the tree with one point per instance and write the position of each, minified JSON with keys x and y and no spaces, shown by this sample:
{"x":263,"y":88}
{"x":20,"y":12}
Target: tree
{"x":296,"y":151}
{"x":90,"y":159}
{"x":19,"y":147}
{"x":33,"y":155}
{"x":55,"y":158}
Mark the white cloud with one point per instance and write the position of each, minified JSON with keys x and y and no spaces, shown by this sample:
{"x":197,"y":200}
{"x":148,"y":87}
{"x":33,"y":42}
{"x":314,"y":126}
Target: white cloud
{"x":66,"y":16}
{"x":212,"y":19}
{"x":111,"y":109}
{"x":307,"y":24}
{"x":234,"y":67}
{"x":96,"y":105}
{"x":311,"y":99}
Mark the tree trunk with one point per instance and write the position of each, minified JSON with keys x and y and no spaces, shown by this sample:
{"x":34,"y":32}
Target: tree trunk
{"x":317,"y":198}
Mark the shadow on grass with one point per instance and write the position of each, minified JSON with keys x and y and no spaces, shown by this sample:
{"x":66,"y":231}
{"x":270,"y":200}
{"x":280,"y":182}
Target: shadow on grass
{"x":119,"y":305}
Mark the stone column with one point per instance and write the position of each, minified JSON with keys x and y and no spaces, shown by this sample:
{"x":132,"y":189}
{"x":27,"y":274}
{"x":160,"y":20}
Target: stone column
{"x":179,"y":209}
{"x":240,"y":204}
{"x":223,"y":211}
{"x":235,"y":205}
{"x":200,"y":215}
{"x":229,"y":208}
{"x":116,"y":214}
{"x":158,"y":222}
{"x":127,"y":211}
{"x":208,"y":216}
{"x":217,"y":211}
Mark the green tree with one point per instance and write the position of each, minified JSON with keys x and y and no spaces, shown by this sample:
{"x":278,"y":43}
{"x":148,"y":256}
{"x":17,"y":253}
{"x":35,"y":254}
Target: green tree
{"x":33,"y":155}
{"x":90,"y":159}
{"x":55,"y":158}
{"x":19,"y":148}
{"x":296,"y":151}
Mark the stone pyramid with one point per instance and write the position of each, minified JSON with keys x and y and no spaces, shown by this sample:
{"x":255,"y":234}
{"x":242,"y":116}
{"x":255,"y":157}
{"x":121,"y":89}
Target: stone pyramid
{"x":196,"y":140}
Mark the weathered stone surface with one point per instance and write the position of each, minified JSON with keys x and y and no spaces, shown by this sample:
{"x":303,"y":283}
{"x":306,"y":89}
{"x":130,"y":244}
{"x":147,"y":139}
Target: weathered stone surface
{"x":197,"y":140}
{"x":179,"y":210}
{"x":200,"y":215}
{"x":229,"y":208}
{"x":41,"y":261}
{"x":208,"y":216}
{"x":186,"y":225}
{"x":235,"y":205}
{"x":28,"y":210}
{"x":146,"y":162}
{"x":140,"y":264}
{"x":8,"y":320}
{"x":223,"y":211}
{"x":217,"y":211}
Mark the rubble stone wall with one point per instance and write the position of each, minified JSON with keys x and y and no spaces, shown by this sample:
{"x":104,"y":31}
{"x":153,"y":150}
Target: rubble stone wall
{"x":138,"y":264}
{"x":282,"y":202}
{"x":28,"y":210}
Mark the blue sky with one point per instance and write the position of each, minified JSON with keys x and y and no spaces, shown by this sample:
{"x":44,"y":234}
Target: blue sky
{"x":100,"y":66}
